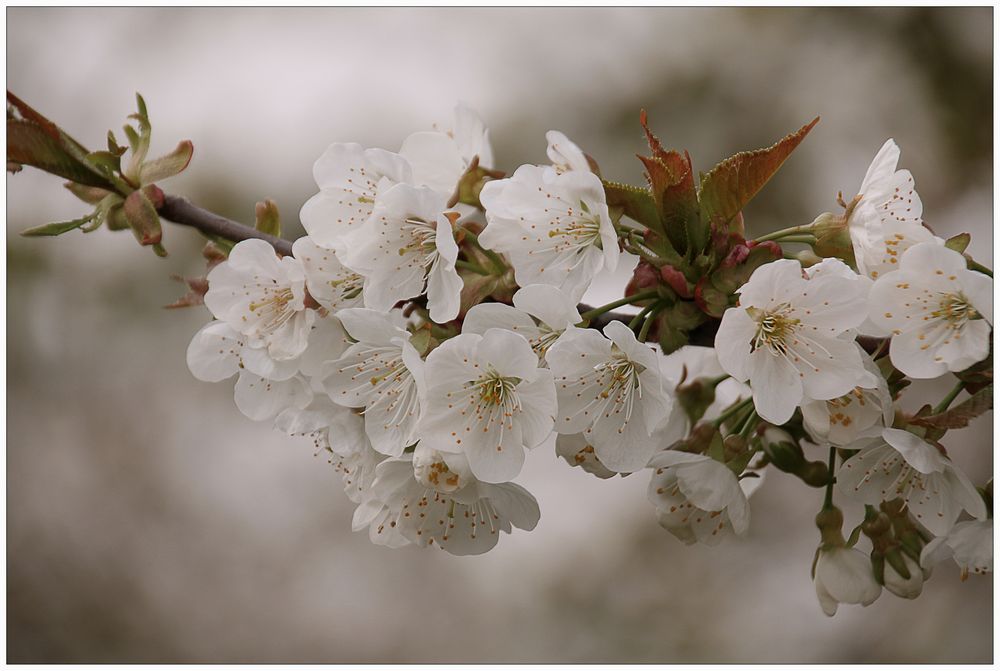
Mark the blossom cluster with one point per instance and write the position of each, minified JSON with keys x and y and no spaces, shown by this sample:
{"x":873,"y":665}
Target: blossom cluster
{"x":426,"y":349}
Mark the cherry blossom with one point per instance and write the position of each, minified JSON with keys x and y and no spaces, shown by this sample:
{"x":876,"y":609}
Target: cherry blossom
{"x":262,"y":297}
{"x":555,"y":229}
{"x":901,"y":465}
{"x":791,"y":337}
{"x":939,"y":312}
{"x":575,"y":449}
{"x":905,"y":587}
{"x":381,"y":373}
{"x":564,"y":154}
{"x":408,"y":249}
{"x":440,"y":158}
{"x":350,"y":179}
{"x":330,"y":283}
{"x":860,"y":413}
{"x":487,"y":399}
{"x":541,"y":313}
{"x":697,"y":498}
{"x":969,"y":543}
{"x":886,"y":221}
{"x":432,"y":497}
{"x":844,"y":575}
{"x":611,"y":390}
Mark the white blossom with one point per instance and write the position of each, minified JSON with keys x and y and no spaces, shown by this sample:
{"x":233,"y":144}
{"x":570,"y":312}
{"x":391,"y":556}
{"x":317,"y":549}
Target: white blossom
{"x":431,"y":497}
{"x":406,"y":249}
{"x":350,"y":179}
{"x":939,"y":312}
{"x":844,"y":575}
{"x":611,"y":390}
{"x":860,"y":413}
{"x":266,"y":388}
{"x":575,"y":449}
{"x":886,"y":220}
{"x":541,"y":313}
{"x":564,"y":153}
{"x":555,"y":229}
{"x":333,"y":285}
{"x":697,"y":498}
{"x":487,"y":399}
{"x":381,"y":373}
{"x":905,"y":588}
{"x":902,"y":465}
{"x":969,"y":543}
{"x":792,"y":337}
{"x":262,"y":297}
{"x":440,"y":158}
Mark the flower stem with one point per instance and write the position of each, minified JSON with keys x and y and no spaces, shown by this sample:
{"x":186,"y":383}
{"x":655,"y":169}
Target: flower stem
{"x":646,"y":325}
{"x":786,"y":232}
{"x":739,"y":407}
{"x":469,"y":265}
{"x":946,"y":401}
{"x":979,"y":268}
{"x":828,"y":500}
{"x":641,"y":296}
{"x":498,"y":262}
{"x":749,"y":424}
{"x":805,"y":239}
{"x":638,"y":319}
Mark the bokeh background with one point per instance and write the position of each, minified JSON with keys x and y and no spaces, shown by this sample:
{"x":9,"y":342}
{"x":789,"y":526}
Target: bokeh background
{"x":147,"y":520}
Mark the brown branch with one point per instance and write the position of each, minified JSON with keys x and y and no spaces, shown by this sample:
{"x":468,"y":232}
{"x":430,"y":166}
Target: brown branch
{"x":182,"y":211}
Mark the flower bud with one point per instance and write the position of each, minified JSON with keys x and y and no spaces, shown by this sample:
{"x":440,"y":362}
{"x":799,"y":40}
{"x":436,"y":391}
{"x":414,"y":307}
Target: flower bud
{"x":902,"y":575}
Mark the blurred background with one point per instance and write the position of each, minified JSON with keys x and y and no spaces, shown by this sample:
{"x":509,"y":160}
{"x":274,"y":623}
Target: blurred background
{"x":148,"y":521}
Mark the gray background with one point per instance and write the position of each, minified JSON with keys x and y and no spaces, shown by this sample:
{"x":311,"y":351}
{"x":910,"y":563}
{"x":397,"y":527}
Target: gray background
{"x":149,"y":521}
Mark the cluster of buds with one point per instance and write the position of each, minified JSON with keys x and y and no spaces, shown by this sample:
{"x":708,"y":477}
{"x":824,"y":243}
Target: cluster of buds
{"x":427,"y":332}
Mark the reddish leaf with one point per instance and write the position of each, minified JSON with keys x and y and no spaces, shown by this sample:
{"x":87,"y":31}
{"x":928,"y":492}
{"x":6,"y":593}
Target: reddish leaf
{"x":963,"y":413}
{"x":730,"y":185}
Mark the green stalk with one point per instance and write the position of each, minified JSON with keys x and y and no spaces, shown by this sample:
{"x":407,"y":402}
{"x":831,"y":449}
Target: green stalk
{"x":641,"y":296}
{"x":946,"y":401}
{"x":739,"y":407}
{"x":469,"y":265}
{"x":828,"y":500}
{"x":786,"y":232}
{"x":495,"y":258}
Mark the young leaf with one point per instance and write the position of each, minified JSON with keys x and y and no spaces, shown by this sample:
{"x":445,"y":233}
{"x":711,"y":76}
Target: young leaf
{"x":671,"y":182}
{"x":963,"y":413}
{"x":958,"y":242}
{"x":167,"y":166}
{"x":57,"y":228}
{"x":730,"y":185}
{"x":88,"y":194}
{"x":142,"y":218}
{"x":268,"y":218}
{"x":34,"y":140}
{"x":637,"y":203}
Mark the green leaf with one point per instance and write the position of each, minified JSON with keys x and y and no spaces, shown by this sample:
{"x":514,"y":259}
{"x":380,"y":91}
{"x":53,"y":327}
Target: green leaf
{"x":143,"y":219}
{"x":58,"y":227}
{"x":105,"y":161}
{"x":167,"y":166}
{"x":730,"y":185}
{"x":963,"y":413}
{"x":636,"y":203}
{"x":268,"y":218}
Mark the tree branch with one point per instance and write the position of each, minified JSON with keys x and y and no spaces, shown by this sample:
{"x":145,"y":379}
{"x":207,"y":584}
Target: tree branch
{"x":182,"y":211}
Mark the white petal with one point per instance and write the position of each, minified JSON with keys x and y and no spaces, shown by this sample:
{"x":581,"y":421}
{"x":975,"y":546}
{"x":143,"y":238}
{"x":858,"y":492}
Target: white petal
{"x":214,"y":352}
{"x":261,"y":399}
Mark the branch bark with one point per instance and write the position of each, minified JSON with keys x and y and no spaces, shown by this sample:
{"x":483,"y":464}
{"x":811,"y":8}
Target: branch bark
{"x":182,"y":211}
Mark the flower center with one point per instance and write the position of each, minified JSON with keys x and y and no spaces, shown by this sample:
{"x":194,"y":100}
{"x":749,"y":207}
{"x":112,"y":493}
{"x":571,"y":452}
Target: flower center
{"x":495,"y":390}
{"x":436,"y":475}
{"x":546,"y":336}
{"x":773,"y":328}
{"x":348,"y":286}
{"x":422,"y":239}
{"x":956,"y":310}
